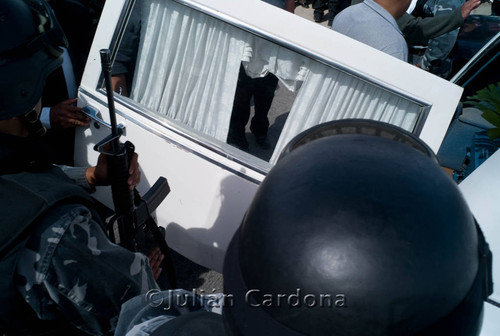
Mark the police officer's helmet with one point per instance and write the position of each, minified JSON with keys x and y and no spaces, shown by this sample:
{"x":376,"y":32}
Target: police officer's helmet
{"x":30,"y":49}
{"x":357,"y":231}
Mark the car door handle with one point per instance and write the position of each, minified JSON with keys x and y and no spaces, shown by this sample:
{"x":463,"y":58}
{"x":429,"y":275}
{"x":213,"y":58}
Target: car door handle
{"x":94,"y":114}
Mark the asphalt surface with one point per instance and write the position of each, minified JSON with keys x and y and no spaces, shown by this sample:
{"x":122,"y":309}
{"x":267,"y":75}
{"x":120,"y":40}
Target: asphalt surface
{"x":194,"y":277}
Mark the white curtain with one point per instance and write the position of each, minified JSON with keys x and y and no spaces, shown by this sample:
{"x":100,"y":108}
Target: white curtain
{"x":262,"y":57}
{"x":329,"y":94}
{"x":187,"y":66}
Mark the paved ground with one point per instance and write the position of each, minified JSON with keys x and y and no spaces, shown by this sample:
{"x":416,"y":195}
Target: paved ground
{"x":307,"y":13}
{"x":194,"y":277}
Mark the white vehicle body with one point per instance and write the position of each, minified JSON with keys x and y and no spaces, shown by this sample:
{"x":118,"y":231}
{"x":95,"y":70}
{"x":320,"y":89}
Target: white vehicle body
{"x":212,"y":183}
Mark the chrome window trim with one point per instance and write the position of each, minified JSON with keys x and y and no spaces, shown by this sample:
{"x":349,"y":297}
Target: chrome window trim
{"x":120,"y":28}
{"x":477,"y":57}
{"x":484,"y":66}
{"x":494,"y":303}
{"x":215,"y":149}
{"x":419,"y":125}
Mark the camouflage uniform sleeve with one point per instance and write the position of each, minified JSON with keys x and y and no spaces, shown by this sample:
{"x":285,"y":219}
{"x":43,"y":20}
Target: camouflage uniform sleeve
{"x":143,"y":314}
{"x":436,"y":58}
{"x":77,"y":174}
{"x":70,"y":268}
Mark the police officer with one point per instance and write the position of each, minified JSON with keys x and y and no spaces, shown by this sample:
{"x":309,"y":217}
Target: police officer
{"x":59,"y":272}
{"x":436,"y":58}
{"x":355,"y":231}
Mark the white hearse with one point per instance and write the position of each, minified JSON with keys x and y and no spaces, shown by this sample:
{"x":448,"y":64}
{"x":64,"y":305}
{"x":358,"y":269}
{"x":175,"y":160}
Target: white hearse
{"x":181,"y":61}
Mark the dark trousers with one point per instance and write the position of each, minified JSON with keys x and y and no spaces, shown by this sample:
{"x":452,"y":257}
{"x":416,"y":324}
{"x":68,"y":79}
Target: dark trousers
{"x":333,"y":6}
{"x":262,"y":91}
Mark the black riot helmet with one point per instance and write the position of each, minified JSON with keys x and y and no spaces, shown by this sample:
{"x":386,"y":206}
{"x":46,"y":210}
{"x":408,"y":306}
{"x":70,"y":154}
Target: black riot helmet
{"x":357,"y":231}
{"x":30,"y":49}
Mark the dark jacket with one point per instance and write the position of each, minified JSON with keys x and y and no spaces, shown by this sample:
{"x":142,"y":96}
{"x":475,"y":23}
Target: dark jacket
{"x":29,"y":188}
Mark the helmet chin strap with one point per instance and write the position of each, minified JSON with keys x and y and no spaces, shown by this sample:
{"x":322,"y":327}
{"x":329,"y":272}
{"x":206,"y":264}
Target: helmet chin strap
{"x":33,"y":123}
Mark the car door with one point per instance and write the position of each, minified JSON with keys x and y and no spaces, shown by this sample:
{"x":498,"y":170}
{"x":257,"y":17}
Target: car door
{"x":479,"y":73}
{"x":481,"y":187}
{"x":178,"y":64}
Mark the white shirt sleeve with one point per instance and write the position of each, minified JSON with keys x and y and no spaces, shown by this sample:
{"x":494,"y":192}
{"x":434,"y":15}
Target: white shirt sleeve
{"x":45,"y":117}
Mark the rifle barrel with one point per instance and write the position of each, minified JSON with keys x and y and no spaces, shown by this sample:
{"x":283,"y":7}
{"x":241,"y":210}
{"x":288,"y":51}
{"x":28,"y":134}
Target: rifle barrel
{"x":106,"y":71}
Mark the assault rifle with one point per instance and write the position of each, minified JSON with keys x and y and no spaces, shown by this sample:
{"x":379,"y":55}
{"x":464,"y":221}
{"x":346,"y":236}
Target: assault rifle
{"x":132,"y":221}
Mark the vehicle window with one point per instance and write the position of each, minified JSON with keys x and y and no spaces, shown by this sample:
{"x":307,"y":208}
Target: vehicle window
{"x":487,"y":74}
{"x":219,"y":82}
{"x":475,"y":33}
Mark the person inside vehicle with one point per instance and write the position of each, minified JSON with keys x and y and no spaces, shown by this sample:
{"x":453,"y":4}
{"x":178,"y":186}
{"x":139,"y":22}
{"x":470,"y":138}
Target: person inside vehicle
{"x":126,"y":57}
{"x":60,"y":273}
{"x":356,"y":230}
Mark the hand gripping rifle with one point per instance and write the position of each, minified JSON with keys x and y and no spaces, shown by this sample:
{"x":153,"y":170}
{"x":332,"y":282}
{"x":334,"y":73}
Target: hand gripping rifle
{"x":132,"y":218}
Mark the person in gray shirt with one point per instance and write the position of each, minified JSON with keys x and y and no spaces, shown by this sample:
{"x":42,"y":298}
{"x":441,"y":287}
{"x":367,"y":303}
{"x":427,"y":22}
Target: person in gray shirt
{"x":418,"y":30}
{"x":373,"y":22}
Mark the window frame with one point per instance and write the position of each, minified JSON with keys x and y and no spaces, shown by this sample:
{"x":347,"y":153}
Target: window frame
{"x":210,"y":7}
